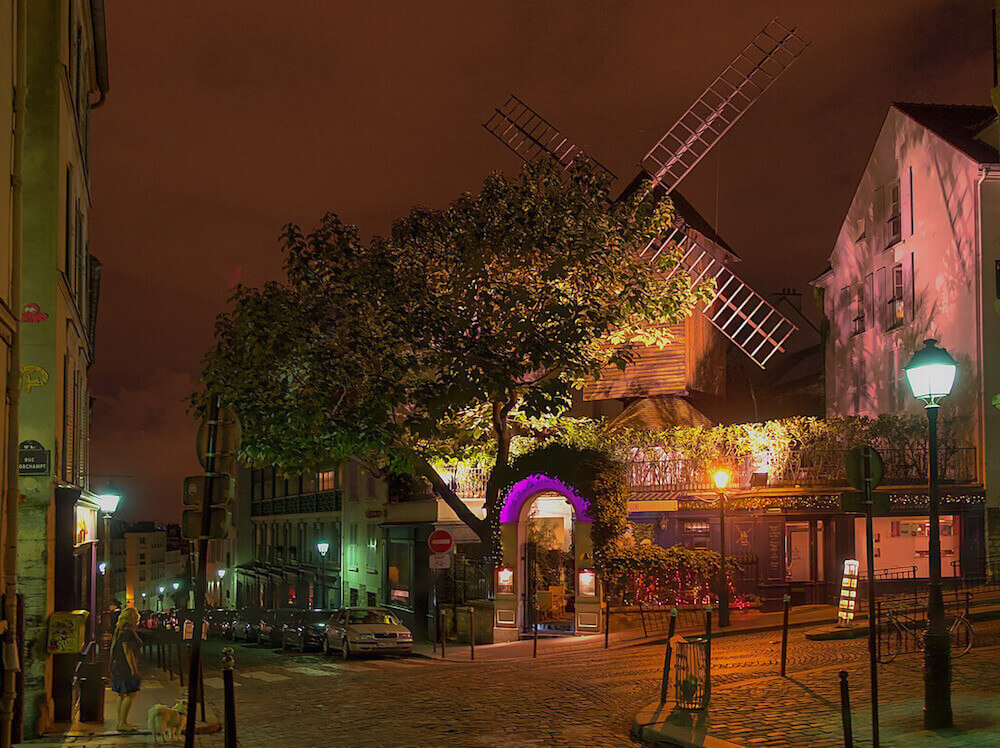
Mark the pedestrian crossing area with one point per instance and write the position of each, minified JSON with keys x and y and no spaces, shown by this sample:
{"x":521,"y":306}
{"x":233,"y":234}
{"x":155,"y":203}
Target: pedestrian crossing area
{"x":282,"y":673}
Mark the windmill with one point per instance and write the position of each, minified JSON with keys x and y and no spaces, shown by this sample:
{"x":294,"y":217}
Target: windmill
{"x":735,"y":309}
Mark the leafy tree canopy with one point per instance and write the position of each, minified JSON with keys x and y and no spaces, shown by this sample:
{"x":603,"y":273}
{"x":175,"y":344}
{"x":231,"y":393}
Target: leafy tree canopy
{"x":437,"y":337}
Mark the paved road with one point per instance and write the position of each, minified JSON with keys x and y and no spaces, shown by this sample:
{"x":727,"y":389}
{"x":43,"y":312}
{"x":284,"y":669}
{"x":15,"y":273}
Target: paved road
{"x":575,"y":699}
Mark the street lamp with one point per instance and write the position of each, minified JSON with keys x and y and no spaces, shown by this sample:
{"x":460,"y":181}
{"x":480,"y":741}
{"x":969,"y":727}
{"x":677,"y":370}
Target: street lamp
{"x":721,"y":479}
{"x":159,"y":595}
{"x":107,"y":503}
{"x":322,"y":547}
{"x":931,"y":375}
{"x":144,"y":600}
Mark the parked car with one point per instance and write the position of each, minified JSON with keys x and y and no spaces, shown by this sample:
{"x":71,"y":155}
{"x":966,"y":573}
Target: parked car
{"x":363,"y":630}
{"x":245,"y":625}
{"x":219,"y":620}
{"x":271,"y":623}
{"x":305,"y":629}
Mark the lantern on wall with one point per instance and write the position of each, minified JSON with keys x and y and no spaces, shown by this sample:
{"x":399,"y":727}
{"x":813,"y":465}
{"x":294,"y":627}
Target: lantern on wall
{"x":588,"y":583}
{"x":505,"y":581}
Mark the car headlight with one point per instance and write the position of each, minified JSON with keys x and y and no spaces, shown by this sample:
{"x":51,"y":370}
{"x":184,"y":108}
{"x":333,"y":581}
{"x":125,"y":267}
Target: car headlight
{"x":365,"y":637}
{"x":405,"y":636}
{"x":321,"y":625}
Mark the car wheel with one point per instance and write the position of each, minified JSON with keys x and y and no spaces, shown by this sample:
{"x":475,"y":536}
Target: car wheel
{"x":345,"y":649}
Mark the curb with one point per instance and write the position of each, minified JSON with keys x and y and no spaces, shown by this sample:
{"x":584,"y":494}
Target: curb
{"x":722,"y":633}
{"x":650,"y":726}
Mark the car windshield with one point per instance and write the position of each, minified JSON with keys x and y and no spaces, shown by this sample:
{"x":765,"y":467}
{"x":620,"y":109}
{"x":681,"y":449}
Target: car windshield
{"x":372,"y":616}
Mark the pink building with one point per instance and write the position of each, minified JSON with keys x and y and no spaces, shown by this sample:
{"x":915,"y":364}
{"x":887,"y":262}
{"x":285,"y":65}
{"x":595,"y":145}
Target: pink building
{"x":917,"y":257}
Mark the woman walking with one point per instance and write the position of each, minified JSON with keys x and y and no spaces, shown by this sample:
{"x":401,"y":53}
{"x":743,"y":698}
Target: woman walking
{"x":125,"y":681}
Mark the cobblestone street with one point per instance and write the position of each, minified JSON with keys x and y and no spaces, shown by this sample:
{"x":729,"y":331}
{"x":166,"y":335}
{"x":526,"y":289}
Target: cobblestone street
{"x":578,"y":699}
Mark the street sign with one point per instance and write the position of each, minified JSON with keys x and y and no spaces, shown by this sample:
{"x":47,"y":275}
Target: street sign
{"x":218,"y":523}
{"x":440,"y":541}
{"x":227,"y":441}
{"x":440,"y":560}
{"x":855,"y":466}
{"x":194,"y":490}
{"x":853,"y":502}
{"x":32,"y":458}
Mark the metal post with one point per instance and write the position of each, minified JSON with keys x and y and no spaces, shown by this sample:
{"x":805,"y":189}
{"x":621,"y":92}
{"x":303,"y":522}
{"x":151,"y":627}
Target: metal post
{"x":200,"y":578}
{"x":787,"y":599}
{"x":322,"y":580}
{"x":106,"y":607}
{"x":667,"y":656}
{"x":845,"y":710}
{"x":708,"y":653}
{"x":444,"y":635}
{"x":607,"y":620}
{"x":534,"y":625}
{"x":229,"y":700}
{"x":870,"y":551}
{"x":937,"y":653}
{"x":723,"y":580}
{"x":472,"y":633}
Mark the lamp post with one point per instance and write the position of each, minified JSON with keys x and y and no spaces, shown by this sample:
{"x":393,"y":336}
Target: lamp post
{"x":221,"y":573}
{"x":107,"y":503}
{"x":931,"y":374}
{"x":144,"y":606}
{"x":322,"y":547}
{"x":159,"y":594}
{"x":721,"y":479}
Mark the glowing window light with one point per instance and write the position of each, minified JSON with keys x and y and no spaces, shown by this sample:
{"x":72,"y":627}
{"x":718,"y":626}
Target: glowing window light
{"x":848,"y":594}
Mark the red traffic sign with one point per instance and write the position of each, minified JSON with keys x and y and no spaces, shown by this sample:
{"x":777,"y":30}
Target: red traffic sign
{"x":440,"y":541}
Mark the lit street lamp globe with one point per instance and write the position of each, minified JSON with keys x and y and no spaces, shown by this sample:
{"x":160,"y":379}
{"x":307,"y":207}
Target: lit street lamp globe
{"x":721,"y":479}
{"x":931,"y":373}
{"x":322,"y":548}
{"x":108,"y":502}
{"x":103,"y":567}
{"x":160,"y":589}
{"x":175,"y":585}
{"x":221,"y":573}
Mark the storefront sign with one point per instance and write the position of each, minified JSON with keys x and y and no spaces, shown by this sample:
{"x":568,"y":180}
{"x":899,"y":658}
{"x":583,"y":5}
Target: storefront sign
{"x":848,"y":594}
{"x":373,"y":513}
{"x":588,"y":583}
{"x":86,"y":525}
{"x":775,"y":551}
{"x":505,"y":581}
{"x":32,"y":458}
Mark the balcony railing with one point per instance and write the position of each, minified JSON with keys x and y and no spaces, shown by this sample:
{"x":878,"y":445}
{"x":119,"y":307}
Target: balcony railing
{"x":801,"y":468}
{"x":328,"y":501}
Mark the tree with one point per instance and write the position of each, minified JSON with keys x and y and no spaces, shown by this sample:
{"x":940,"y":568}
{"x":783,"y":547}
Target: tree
{"x":434,"y":339}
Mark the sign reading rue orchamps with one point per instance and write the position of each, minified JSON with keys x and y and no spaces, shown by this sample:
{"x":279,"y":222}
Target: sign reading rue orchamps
{"x":32,"y":458}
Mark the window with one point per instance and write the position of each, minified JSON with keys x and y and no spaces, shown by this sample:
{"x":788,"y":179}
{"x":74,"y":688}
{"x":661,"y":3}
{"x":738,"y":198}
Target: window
{"x":896,"y":312}
{"x":860,"y":387}
{"x":267,"y":483}
{"x":352,"y":548}
{"x":858,"y":321}
{"x":371,"y":550}
{"x":894,"y":218}
{"x":328,"y":480}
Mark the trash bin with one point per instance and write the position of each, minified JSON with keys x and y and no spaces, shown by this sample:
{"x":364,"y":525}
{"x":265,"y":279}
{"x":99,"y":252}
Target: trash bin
{"x":88,"y":688}
{"x":691,"y":673}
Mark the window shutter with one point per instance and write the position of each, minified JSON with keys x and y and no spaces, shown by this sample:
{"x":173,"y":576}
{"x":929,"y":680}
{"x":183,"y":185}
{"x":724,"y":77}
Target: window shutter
{"x":910,"y":288}
{"x":869,"y":302}
{"x":881,"y":298}
{"x":878,"y":228}
{"x":906,"y":201}
{"x":845,"y":307}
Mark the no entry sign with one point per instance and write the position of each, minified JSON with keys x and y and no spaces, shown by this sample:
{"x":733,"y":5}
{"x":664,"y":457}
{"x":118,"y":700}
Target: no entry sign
{"x":440,"y":541}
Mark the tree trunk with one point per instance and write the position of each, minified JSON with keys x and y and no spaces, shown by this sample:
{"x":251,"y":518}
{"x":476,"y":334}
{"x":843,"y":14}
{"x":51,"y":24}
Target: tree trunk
{"x":466,"y":515}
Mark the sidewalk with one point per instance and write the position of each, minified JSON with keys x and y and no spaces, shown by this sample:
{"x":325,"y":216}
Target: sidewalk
{"x":157,"y":688}
{"x":805,"y":709}
{"x":741,"y":622}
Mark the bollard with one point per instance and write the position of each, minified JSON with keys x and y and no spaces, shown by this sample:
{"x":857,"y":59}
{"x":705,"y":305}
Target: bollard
{"x":534,"y":625}
{"x":708,"y":653}
{"x":444,"y":637}
{"x":201,"y":688}
{"x":845,"y":710}
{"x":607,"y":622}
{"x":472,"y":634}
{"x":229,"y":701}
{"x":667,"y":656}
{"x":784,"y":634}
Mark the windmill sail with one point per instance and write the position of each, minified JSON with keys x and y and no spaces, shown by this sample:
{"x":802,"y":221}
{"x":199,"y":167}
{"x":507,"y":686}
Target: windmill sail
{"x":531,"y":136}
{"x":731,"y":94}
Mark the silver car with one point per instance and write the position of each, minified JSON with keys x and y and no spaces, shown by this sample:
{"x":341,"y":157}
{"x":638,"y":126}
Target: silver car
{"x":353,"y":631}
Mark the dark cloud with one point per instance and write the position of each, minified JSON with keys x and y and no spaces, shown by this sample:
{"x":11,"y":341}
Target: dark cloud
{"x":227,"y":120}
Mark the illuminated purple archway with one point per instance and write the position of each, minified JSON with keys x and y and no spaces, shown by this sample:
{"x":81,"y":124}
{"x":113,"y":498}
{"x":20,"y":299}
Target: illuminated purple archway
{"x":527,"y":488}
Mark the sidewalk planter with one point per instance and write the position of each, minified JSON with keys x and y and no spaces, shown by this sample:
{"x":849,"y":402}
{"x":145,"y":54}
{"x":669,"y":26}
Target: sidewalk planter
{"x":691,"y":673}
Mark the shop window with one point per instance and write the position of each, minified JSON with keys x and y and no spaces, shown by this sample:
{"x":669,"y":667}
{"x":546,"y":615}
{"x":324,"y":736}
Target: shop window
{"x":399,"y":566}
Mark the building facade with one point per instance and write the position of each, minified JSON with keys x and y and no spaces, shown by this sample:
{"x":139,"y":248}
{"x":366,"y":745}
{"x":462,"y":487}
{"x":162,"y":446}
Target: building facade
{"x":67,"y":76}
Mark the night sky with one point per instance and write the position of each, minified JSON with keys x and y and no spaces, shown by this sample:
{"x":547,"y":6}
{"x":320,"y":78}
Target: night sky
{"x":226,"y":120}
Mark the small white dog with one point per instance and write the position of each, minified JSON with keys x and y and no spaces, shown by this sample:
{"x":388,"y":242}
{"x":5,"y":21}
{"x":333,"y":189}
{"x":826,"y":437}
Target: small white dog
{"x":167,"y":721}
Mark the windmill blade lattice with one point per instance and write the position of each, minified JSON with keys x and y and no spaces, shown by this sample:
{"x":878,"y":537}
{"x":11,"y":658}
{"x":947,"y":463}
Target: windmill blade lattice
{"x":741,"y":314}
{"x":531,"y":136}
{"x":766,"y":57}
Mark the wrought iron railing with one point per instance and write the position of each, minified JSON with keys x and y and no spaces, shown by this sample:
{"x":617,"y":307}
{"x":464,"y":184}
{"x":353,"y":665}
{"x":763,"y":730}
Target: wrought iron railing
{"x":800,"y":468}
{"x":328,"y":501}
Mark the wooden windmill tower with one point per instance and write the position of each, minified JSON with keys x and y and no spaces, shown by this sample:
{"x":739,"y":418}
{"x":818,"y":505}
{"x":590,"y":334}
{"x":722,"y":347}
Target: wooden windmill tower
{"x":695,"y":361}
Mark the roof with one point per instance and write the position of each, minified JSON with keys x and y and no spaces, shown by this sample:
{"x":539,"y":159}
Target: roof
{"x":684,"y":209}
{"x":659,"y":412}
{"x":957,"y":124}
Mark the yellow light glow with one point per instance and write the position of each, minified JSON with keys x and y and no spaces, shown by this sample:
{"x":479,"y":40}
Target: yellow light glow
{"x":721,"y":478}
